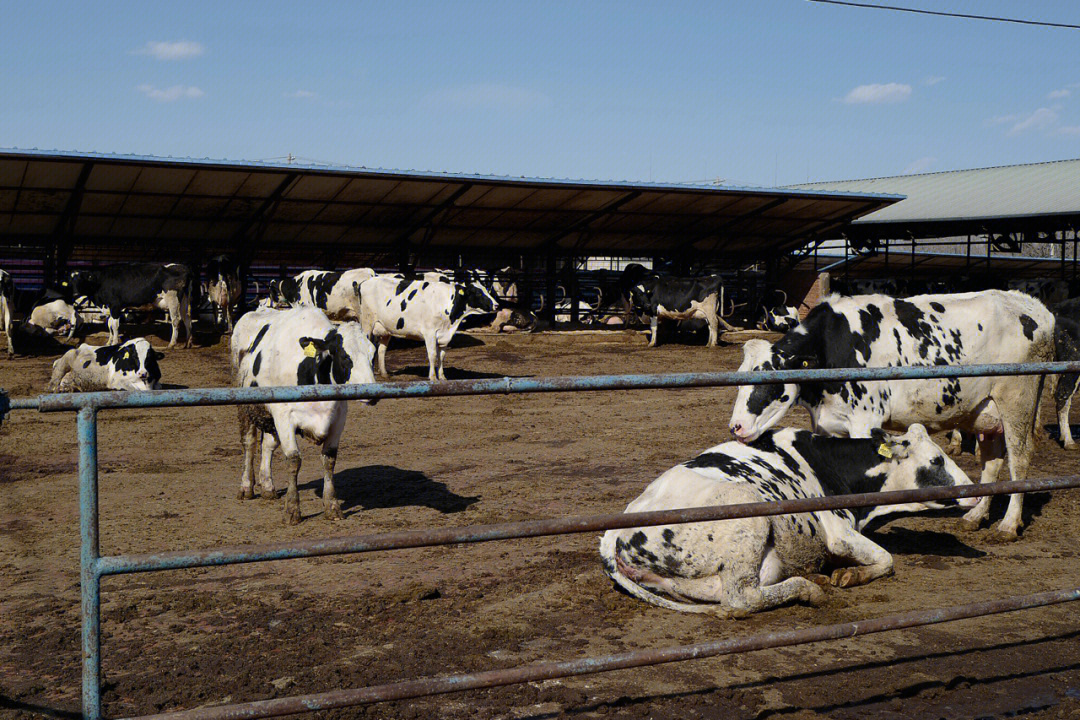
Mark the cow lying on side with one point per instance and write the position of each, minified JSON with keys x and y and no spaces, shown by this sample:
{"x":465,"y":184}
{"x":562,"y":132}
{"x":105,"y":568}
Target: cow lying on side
{"x":56,"y":317}
{"x":427,"y":307}
{"x":273,"y":348}
{"x":735,"y":567}
{"x":139,"y":285}
{"x":129,"y":366}
{"x":335,"y":293}
{"x":993,"y":326}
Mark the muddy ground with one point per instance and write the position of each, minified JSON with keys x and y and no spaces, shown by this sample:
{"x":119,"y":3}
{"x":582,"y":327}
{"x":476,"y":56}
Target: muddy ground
{"x":182,"y":639}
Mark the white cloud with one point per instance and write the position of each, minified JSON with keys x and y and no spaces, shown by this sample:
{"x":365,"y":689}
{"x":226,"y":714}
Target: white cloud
{"x":1058,"y":94}
{"x":1041,"y":119}
{"x":1002,"y":119}
{"x":919,"y":166}
{"x":877,"y":94}
{"x":935,"y":79}
{"x":170,"y":94}
{"x":1069,"y":130}
{"x":179,"y":50}
{"x":487,"y":96}
{"x":301,"y":95}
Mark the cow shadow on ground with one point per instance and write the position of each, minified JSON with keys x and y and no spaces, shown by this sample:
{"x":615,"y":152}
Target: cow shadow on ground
{"x":460,"y":340}
{"x":1054,"y":433}
{"x":172,"y":386}
{"x":384,"y":486}
{"x":421,"y":372}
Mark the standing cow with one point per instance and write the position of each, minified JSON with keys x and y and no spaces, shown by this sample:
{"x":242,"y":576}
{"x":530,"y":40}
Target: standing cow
{"x":735,"y":567}
{"x":223,"y":287}
{"x":335,"y":293}
{"x":7,"y":303}
{"x":427,"y":307}
{"x":1066,"y":347}
{"x":300,"y":346}
{"x":139,"y":285}
{"x":673,"y":298}
{"x":993,"y":326}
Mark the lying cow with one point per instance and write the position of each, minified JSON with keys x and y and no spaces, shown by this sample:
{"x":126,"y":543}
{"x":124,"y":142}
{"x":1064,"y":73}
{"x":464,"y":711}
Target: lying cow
{"x":57,"y":317}
{"x":427,"y":307}
{"x":7,"y":305}
{"x":335,"y":293}
{"x":139,"y":285}
{"x":736,"y":567}
{"x":223,"y":287}
{"x":993,"y":326}
{"x":777,"y":315}
{"x":674,"y":298}
{"x":273,"y":348}
{"x":128,"y":366}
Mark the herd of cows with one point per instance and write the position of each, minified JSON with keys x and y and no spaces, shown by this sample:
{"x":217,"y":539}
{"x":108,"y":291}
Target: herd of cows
{"x":323,"y":327}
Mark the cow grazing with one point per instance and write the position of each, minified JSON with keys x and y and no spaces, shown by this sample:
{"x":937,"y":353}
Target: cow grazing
{"x":662,"y":297}
{"x":7,"y":305}
{"x":224,"y":288}
{"x":993,"y":326}
{"x":427,"y":307}
{"x":335,"y":293}
{"x":300,"y":346}
{"x":736,"y":567}
{"x":139,"y":285}
{"x":128,"y":366}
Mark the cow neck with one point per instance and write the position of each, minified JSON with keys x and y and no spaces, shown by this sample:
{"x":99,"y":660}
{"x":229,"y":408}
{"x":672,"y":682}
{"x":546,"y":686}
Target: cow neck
{"x":841,"y":465}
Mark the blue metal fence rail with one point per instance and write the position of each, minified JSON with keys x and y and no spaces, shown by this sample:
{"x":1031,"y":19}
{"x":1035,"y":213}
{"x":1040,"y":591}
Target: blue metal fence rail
{"x":94,"y":566}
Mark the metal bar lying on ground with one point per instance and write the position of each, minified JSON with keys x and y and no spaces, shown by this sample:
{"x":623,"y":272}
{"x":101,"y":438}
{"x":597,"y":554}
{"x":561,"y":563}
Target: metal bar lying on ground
{"x":640,"y":658}
{"x":508,"y":385}
{"x":176,"y":559}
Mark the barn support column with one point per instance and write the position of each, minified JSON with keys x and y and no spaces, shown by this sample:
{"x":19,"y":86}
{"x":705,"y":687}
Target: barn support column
{"x":63,"y":236}
{"x":549,"y":287}
{"x":573,"y":290}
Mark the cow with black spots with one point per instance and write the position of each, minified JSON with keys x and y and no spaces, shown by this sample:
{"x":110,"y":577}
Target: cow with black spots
{"x":735,"y":567}
{"x":7,"y":306}
{"x":128,"y":366}
{"x":299,"y":346}
{"x":662,"y":297}
{"x":428,"y":307}
{"x":224,"y":288}
{"x":335,"y":293}
{"x":992,"y":326}
{"x":1066,"y":348}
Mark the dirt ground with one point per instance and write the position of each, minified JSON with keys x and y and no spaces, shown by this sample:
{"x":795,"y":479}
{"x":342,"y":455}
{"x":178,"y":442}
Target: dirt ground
{"x":174,"y":640}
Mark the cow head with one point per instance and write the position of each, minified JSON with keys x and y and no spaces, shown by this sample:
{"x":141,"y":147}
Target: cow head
{"x":82,"y":282}
{"x":760,"y":407}
{"x":352,"y":354}
{"x":134,"y":365}
{"x":640,"y":297}
{"x":914,"y":461}
{"x":476,"y":297}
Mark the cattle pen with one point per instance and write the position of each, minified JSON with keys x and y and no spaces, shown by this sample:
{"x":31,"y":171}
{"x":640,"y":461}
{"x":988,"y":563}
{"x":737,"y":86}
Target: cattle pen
{"x":94,"y":566}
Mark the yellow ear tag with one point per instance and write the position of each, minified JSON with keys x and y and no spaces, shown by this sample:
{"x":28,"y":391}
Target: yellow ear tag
{"x":806,"y":363}
{"x":309,"y":350}
{"x":884,"y":451}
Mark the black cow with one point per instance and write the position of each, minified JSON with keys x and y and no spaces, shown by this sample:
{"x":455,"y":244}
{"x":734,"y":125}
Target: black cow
{"x":139,"y":285}
{"x":675,"y":298}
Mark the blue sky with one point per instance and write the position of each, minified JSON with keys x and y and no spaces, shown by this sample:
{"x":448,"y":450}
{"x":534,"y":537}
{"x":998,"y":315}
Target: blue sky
{"x":755,"y":92}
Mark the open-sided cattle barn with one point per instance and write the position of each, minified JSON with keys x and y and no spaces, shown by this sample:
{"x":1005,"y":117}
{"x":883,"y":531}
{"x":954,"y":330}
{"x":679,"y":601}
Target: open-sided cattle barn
{"x":58,"y":209}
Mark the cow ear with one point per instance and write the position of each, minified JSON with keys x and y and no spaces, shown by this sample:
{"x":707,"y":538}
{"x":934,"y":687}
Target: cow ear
{"x":312,"y":346}
{"x":158,"y":355}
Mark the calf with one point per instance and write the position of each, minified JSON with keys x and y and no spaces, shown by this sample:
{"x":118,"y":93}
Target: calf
{"x":139,"y":285}
{"x":128,"y":366}
{"x":736,"y":567}
{"x":300,"y":346}
{"x":7,"y":304}
{"x":427,"y":307}
{"x":674,"y":298}
{"x":993,"y":326}
{"x":223,"y":287}
{"x":335,"y":293}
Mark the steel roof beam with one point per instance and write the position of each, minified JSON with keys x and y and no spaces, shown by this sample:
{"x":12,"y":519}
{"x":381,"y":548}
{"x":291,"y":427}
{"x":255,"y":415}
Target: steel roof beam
{"x":589,"y":219}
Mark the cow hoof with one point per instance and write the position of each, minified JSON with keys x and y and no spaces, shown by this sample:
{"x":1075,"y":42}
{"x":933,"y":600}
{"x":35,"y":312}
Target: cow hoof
{"x":968,"y":526}
{"x":997,"y":535}
{"x":246,"y":494}
{"x":267,"y":494}
{"x":334,"y":512}
{"x":819,"y":579}
{"x":845,"y":577}
{"x":1069,"y":446}
{"x":814,"y":595}
{"x":292,"y":516}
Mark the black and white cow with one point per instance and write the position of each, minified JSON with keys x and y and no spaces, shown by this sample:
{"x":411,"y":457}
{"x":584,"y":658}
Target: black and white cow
{"x":7,"y":306}
{"x":427,"y":307}
{"x":661,"y":297}
{"x":993,"y":326}
{"x":128,"y":366}
{"x":335,"y":293}
{"x":139,"y":285}
{"x":57,"y":317}
{"x":736,"y":567}
{"x":223,"y":287}
{"x":1066,"y":347}
{"x":776,"y":315}
{"x":1050,"y":291}
{"x":299,"y":346}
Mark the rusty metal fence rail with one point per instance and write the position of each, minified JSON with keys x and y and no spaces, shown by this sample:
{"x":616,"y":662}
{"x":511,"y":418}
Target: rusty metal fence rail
{"x":94,"y":566}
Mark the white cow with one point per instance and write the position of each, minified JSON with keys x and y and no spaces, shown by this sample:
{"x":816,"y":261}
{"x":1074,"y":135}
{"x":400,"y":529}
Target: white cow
{"x":427,"y":307}
{"x":129,"y":366}
{"x":55,"y":317}
{"x":735,"y":567}
{"x":992,"y":326}
{"x":300,"y":346}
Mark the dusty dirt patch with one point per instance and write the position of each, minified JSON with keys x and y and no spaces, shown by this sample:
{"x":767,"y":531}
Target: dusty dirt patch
{"x":181,"y":639}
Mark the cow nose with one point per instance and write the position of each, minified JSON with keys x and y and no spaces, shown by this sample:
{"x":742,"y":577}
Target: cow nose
{"x":736,"y":428}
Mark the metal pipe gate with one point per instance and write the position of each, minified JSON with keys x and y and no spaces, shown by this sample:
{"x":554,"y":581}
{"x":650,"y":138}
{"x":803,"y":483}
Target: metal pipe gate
{"x":94,"y":566}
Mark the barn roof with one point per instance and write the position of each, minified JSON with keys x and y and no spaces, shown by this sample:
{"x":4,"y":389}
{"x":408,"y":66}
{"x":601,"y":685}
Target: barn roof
{"x":280,"y":212}
{"x":931,"y":264}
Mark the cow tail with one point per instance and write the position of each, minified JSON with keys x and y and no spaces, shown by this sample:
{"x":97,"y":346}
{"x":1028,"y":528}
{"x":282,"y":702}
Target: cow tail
{"x":1038,"y":433}
{"x":608,"y":551}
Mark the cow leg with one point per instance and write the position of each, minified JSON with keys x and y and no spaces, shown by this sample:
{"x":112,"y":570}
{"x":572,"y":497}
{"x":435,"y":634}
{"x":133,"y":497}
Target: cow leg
{"x":331,"y":505}
{"x":171,"y":304}
{"x":432,"y":357}
{"x":185,"y":315}
{"x":871,"y":560}
{"x":1020,"y":397}
{"x":655,"y":325}
{"x":248,"y":440}
{"x":1063,"y":395}
{"x":292,"y":468}
{"x":266,"y":478}
{"x":114,"y":325}
{"x":991,"y":458}
{"x":440,"y":360}
{"x":5,"y":319}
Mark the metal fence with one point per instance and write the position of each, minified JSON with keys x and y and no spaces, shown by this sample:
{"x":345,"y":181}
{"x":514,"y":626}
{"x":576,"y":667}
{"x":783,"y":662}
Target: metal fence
{"x":94,"y":566}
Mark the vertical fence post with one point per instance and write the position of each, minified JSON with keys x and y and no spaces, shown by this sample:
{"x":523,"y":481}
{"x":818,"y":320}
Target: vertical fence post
{"x":91,"y":580}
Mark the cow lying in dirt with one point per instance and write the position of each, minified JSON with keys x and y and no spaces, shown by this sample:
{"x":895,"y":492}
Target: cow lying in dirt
{"x":129,"y":366}
{"x":736,"y":567}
